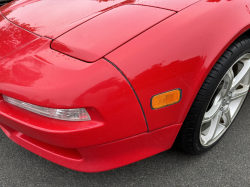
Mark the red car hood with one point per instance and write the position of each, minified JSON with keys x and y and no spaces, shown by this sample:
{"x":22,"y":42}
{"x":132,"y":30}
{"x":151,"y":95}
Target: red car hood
{"x":12,"y":37}
{"x":44,"y":16}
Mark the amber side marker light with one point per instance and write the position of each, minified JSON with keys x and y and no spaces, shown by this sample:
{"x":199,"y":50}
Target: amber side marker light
{"x":166,"y":99}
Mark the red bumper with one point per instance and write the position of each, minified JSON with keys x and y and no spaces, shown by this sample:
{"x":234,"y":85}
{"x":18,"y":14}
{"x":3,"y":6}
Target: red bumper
{"x":102,"y":157}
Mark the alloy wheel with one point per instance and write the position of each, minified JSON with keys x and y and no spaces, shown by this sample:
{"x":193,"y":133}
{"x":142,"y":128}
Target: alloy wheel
{"x":226,"y":101}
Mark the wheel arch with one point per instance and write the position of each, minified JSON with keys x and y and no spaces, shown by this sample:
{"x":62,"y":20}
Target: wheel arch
{"x":242,"y":32}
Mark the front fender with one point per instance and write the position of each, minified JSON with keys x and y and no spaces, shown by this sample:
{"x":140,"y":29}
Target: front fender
{"x":179,"y":53}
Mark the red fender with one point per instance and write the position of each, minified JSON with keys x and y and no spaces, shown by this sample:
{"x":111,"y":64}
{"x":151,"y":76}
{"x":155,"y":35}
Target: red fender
{"x":179,"y":53}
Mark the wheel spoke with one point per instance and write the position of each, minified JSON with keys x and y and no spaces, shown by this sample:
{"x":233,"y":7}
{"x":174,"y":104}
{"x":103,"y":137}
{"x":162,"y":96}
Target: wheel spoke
{"x":226,"y":87}
{"x":209,"y":115}
{"x":228,"y":117}
{"x":240,"y":92}
{"x":215,"y":123}
{"x":229,"y":78}
{"x":243,"y":75}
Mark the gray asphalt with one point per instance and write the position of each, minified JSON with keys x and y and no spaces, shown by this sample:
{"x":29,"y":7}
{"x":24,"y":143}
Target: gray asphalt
{"x":227,"y":164}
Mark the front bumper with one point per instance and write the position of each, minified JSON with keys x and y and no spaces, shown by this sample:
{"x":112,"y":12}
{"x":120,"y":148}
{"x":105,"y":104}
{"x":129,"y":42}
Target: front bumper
{"x":101,"y":157}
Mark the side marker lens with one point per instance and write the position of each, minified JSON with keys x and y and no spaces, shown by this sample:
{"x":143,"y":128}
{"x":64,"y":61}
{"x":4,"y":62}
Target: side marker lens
{"x":166,"y":99}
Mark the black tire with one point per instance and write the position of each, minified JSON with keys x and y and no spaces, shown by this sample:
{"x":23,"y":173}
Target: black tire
{"x":188,"y":138}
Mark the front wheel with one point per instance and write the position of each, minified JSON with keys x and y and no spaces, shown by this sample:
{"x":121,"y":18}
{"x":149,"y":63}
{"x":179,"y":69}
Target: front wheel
{"x":218,"y":100}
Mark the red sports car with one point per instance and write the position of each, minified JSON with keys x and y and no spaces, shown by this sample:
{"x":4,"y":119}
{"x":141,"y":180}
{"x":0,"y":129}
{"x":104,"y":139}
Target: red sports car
{"x":93,"y":85}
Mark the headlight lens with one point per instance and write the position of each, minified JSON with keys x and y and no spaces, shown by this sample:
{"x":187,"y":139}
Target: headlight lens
{"x":78,"y":114}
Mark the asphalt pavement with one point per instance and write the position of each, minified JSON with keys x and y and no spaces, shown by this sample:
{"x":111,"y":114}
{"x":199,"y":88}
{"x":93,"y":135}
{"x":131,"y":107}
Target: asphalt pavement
{"x":227,"y":164}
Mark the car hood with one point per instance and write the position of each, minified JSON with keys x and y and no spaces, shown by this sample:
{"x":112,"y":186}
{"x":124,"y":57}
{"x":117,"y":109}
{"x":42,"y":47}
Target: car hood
{"x":45,"y":16}
{"x":12,"y":37}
